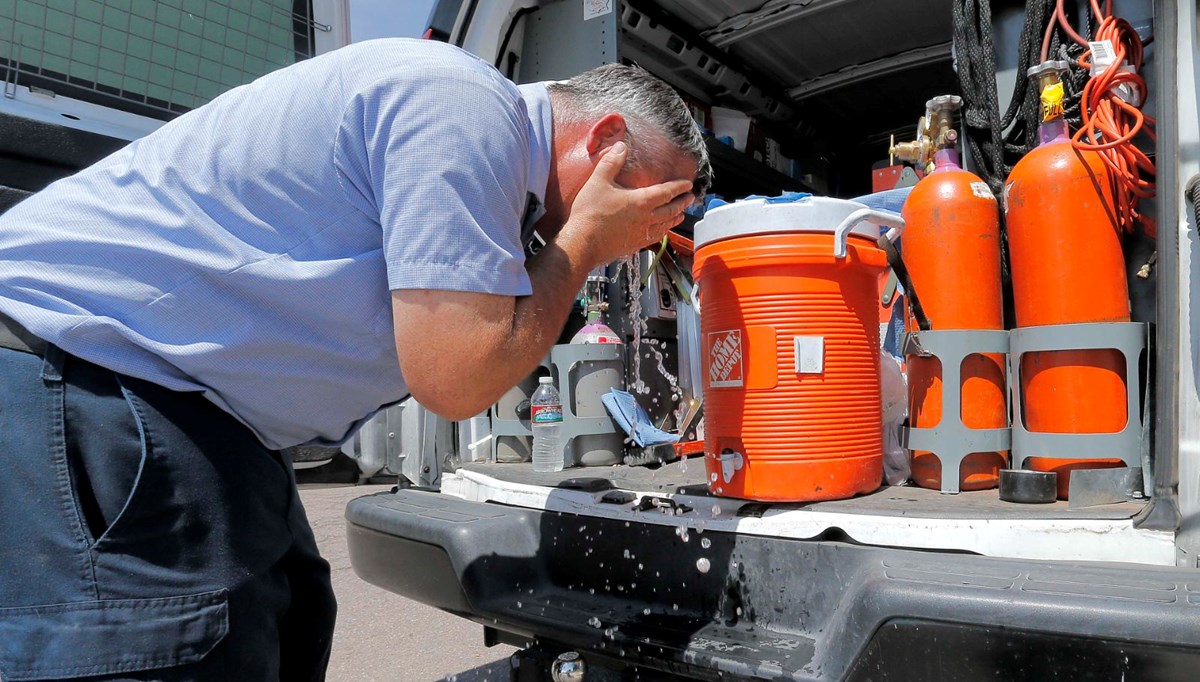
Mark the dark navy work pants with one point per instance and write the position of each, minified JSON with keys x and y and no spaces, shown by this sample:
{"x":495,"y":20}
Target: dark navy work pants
{"x":147,"y":535}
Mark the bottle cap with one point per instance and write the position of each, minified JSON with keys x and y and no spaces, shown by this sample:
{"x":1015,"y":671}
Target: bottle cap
{"x":546,"y":380}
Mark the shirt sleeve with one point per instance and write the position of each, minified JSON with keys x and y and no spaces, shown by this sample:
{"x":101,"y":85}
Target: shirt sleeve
{"x":441,"y":156}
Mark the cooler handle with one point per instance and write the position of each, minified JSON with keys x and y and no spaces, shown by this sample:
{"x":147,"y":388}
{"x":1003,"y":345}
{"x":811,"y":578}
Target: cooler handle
{"x":891,"y":220}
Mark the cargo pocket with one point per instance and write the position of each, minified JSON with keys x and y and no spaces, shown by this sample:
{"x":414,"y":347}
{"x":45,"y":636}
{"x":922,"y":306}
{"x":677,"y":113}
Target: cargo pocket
{"x":85,"y":639}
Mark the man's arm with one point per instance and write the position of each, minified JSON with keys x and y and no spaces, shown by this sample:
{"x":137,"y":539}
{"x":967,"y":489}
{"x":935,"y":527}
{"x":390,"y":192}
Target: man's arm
{"x":460,"y":351}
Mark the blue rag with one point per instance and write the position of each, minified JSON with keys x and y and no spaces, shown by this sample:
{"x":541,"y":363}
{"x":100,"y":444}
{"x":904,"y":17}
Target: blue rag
{"x":634,"y":420}
{"x":887,"y":200}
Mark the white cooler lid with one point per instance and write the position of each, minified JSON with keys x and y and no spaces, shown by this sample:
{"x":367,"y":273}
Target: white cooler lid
{"x":775,"y":215}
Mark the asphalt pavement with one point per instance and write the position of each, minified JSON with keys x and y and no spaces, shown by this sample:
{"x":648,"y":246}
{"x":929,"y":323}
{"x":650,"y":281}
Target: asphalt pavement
{"x":382,"y":637}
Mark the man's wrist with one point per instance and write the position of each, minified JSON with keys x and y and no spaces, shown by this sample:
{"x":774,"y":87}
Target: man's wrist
{"x":580,"y":251}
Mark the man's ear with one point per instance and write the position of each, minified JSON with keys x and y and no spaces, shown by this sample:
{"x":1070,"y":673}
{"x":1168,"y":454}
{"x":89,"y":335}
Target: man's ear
{"x":604,"y":133}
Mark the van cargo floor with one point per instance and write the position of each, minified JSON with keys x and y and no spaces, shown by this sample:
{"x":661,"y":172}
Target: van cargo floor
{"x":911,"y":501}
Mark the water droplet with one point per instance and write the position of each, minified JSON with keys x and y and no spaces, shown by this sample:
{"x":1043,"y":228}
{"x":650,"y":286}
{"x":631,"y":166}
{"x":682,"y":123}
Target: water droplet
{"x":627,"y":554}
{"x":594,"y":622}
{"x":591,"y":590}
{"x":716,"y":510}
{"x":713,"y":477}
{"x":739,"y":611}
{"x":646,"y":612}
{"x":682,"y":533}
{"x":640,"y":567}
{"x":674,"y":607}
{"x":706,"y":543}
{"x":702,"y":565}
{"x":519,"y":605}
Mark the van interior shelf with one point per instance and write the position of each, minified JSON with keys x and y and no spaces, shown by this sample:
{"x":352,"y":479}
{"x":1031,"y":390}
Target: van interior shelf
{"x":736,"y":174}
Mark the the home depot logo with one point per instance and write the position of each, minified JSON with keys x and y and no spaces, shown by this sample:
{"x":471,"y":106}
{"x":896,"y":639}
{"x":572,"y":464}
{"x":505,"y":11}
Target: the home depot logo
{"x":725,"y":359}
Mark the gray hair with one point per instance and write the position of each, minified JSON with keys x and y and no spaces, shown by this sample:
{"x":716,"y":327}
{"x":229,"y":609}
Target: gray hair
{"x":653,"y":112}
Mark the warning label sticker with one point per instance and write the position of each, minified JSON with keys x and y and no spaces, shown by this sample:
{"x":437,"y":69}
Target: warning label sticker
{"x":725,"y":365}
{"x":981,"y":190}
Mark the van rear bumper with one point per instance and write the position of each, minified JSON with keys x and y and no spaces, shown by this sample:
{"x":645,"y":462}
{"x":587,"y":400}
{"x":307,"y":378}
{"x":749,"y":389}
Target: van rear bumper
{"x":718,"y":605}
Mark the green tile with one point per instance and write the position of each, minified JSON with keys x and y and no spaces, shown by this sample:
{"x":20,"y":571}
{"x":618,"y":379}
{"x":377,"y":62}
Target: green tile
{"x":144,"y":8}
{"x":210,"y":69}
{"x":238,"y":20}
{"x":84,"y":70}
{"x":191,"y":24}
{"x":29,"y":13}
{"x":113,"y":39}
{"x":162,"y":54}
{"x":67,"y":6}
{"x":141,"y":27}
{"x":87,"y":31}
{"x":281,"y":36}
{"x":259,"y":29}
{"x":187,"y":63}
{"x":140,"y":47}
{"x":156,"y":91}
{"x":256,"y":65}
{"x":190,"y":44}
{"x":195,"y":7}
{"x":279,"y":56}
{"x":167,"y":16}
{"x":234,"y":58}
{"x":92,"y":10}
{"x":112,"y":60}
{"x":262,"y":10}
{"x":57,"y":45}
{"x":112,"y":79}
{"x":59,"y":22}
{"x":8,"y":10}
{"x":32,"y":40}
{"x":123,"y":5}
{"x":161,"y":75}
{"x":216,"y":12}
{"x":185,"y":82}
{"x":85,"y":53}
{"x":256,"y":47}
{"x":55,"y":63}
{"x":214,"y":32}
{"x":137,"y":69}
{"x":165,"y":34}
{"x":231,"y":77}
{"x":236,"y":40}
{"x":117,"y":19}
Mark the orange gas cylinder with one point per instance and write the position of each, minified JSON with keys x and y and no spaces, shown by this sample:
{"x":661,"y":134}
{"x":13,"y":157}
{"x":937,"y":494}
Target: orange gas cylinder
{"x":952,"y":250}
{"x":790,"y":339}
{"x":1067,"y":267}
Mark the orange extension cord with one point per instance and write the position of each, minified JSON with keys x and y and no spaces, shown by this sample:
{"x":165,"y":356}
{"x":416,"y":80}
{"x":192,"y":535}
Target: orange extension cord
{"x":1110,"y":124}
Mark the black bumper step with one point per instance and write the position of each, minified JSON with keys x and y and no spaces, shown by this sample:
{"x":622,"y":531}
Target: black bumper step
{"x":725,"y":606}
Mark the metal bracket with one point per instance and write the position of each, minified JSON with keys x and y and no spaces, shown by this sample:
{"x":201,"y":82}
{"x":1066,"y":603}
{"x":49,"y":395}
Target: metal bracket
{"x":952,"y":441}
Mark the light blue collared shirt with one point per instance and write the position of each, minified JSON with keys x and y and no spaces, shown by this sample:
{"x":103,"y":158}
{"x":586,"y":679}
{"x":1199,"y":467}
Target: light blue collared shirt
{"x":247,"y":249}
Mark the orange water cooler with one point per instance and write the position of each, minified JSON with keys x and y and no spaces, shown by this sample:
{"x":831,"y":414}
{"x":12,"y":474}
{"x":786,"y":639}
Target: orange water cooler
{"x":790,"y":346}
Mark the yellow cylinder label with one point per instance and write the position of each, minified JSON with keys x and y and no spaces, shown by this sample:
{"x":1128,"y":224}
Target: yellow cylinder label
{"x":1052,"y":101}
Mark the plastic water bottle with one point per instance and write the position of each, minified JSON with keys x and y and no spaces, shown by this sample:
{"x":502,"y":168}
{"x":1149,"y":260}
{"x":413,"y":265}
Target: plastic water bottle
{"x":546,"y":416}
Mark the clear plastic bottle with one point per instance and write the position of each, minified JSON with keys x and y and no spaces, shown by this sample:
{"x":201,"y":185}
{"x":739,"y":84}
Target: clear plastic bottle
{"x":546,"y":417}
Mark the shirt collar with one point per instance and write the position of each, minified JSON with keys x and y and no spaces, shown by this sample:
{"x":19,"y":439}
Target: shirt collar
{"x":537,"y":103}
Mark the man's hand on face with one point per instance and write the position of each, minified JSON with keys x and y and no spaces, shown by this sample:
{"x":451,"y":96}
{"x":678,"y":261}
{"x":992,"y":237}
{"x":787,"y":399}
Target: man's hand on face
{"x":608,"y":221}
